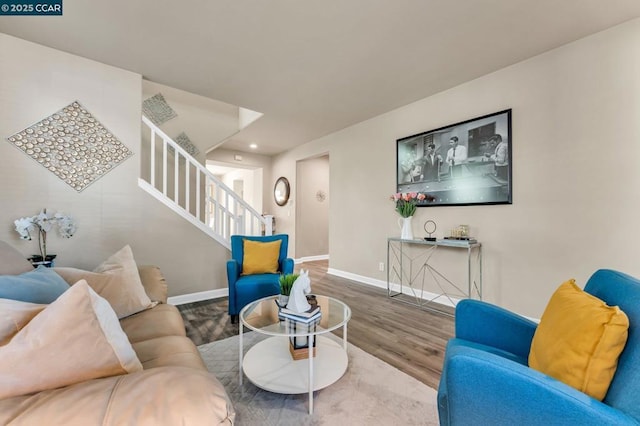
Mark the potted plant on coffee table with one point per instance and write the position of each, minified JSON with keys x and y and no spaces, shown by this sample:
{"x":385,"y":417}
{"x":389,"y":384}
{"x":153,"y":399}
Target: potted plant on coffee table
{"x":286,"y":282}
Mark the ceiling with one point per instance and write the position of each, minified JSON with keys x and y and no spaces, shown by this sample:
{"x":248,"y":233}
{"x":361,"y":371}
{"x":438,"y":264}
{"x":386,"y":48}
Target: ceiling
{"x":315,"y":67}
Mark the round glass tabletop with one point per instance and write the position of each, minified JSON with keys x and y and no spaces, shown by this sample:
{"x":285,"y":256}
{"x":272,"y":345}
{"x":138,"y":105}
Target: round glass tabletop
{"x":262,"y":316}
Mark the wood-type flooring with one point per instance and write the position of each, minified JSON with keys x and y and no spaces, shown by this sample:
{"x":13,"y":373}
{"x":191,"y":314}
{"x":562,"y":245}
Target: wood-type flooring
{"x":411,"y":339}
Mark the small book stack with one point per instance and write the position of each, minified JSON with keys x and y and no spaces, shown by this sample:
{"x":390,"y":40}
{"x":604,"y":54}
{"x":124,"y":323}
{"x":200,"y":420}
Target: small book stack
{"x":307,"y":316}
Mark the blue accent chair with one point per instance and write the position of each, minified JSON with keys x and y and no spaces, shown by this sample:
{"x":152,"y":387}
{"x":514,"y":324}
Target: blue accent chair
{"x":244,"y":289}
{"x":486,"y":379}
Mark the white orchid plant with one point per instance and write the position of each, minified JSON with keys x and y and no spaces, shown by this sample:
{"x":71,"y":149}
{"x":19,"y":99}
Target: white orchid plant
{"x":43,"y":223}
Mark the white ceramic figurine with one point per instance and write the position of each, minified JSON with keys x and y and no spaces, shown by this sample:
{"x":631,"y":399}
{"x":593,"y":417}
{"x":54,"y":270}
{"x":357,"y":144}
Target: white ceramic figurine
{"x":297,"y":298}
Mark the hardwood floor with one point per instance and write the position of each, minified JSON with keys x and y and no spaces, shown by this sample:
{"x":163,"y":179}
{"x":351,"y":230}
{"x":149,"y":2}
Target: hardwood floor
{"x":410,"y":339}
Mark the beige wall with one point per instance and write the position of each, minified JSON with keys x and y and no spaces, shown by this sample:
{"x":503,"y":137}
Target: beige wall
{"x":285,"y":165}
{"x":575,"y":145}
{"x":205,"y":121}
{"x":225,"y":157}
{"x":251,"y":185}
{"x":575,"y":149}
{"x":312,"y":215}
{"x":36,"y":81}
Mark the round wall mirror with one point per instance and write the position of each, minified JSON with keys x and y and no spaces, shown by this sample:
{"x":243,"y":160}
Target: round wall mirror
{"x":281,"y":191}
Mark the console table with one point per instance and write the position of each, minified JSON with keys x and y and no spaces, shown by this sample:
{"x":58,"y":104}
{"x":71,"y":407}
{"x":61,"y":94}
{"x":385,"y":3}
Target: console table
{"x":410,"y":267}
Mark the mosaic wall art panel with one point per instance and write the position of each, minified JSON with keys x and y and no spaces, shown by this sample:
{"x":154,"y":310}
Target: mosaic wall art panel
{"x":157,"y":109}
{"x":183,"y":140}
{"x":73,"y":145}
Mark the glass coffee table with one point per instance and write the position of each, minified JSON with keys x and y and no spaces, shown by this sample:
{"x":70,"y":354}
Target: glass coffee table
{"x":270,"y":364}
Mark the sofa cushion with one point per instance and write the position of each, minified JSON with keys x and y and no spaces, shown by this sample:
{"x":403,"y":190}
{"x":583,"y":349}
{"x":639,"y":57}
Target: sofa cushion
{"x":161,"y":396}
{"x":153,"y":282}
{"x":579,"y":340}
{"x":12,"y":262}
{"x":74,"y":339}
{"x":259,"y":257}
{"x":161,"y":320}
{"x":168,"y":351}
{"x":117,"y":280}
{"x":40,"y":285}
{"x":14,"y":315}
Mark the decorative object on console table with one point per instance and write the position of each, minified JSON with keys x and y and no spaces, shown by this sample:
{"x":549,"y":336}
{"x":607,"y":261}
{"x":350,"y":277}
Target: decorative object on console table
{"x":406,"y":207}
{"x":430,"y":228}
{"x":42,"y":224}
{"x":406,"y":230}
{"x":461,"y":233}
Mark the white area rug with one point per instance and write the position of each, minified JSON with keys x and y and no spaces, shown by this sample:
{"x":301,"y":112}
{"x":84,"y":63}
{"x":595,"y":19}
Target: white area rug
{"x":371,"y":392}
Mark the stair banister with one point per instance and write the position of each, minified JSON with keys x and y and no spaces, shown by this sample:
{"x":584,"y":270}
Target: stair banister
{"x":225,"y":213}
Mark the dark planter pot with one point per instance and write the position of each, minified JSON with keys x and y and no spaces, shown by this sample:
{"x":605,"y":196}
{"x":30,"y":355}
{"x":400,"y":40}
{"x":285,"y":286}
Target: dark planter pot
{"x":36,"y":260}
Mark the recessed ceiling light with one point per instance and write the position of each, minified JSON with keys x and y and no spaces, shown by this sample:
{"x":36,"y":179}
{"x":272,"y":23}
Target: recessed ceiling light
{"x":253,"y":146}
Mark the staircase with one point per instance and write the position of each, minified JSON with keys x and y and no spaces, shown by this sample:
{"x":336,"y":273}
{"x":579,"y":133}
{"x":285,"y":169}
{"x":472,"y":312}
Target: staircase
{"x":184,"y":185}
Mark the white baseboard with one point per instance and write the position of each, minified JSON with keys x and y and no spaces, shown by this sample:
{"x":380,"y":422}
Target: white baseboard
{"x":312,"y":258}
{"x":197,"y":297}
{"x":224,"y":292}
{"x":434,"y":297}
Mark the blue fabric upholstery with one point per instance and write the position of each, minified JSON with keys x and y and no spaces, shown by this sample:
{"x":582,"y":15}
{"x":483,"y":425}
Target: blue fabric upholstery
{"x":244,"y":289}
{"x":41,"y":285}
{"x":486,"y":379}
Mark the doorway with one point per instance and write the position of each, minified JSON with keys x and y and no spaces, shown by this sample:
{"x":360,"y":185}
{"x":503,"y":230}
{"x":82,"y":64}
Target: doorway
{"x":312,"y":208}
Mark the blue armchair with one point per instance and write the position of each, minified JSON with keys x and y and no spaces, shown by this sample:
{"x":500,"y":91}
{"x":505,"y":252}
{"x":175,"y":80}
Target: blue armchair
{"x":486,"y":379}
{"x":244,"y":289}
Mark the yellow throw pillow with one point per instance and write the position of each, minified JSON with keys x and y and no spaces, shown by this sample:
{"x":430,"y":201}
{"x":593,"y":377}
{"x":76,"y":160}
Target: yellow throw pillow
{"x":259,"y":257}
{"x":74,"y":339}
{"x":579,"y":340}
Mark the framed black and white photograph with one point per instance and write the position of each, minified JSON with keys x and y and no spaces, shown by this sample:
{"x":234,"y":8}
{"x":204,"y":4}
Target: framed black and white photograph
{"x":466,"y":163}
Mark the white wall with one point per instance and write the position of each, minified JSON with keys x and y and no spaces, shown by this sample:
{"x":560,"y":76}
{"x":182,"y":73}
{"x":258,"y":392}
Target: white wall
{"x":36,"y":81}
{"x":575,"y":175}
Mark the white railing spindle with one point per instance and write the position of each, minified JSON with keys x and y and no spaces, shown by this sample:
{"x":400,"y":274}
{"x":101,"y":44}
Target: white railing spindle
{"x":225,"y":213}
{"x":164,"y":167}
{"x":152,"y":177}
{"x":187,"y":188}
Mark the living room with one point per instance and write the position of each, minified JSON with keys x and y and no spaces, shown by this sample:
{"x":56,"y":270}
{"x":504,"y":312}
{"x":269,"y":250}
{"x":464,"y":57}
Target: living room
{"x":575,"y":126}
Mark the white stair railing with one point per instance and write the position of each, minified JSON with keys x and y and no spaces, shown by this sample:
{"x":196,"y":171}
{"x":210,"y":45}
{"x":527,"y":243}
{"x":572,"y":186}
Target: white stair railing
{"x":188,"y":188}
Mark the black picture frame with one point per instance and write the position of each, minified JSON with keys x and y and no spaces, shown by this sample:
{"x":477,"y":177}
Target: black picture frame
{"x":478,"y":172}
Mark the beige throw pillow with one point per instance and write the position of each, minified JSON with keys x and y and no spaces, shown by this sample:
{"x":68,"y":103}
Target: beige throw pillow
{"x":76,"y":338}
{"x":117,"y":280}
{"x":14,"y":315}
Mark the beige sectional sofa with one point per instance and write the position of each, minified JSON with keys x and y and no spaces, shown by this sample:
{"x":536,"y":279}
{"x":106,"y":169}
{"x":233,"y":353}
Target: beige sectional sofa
{"x":173,"y":387}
